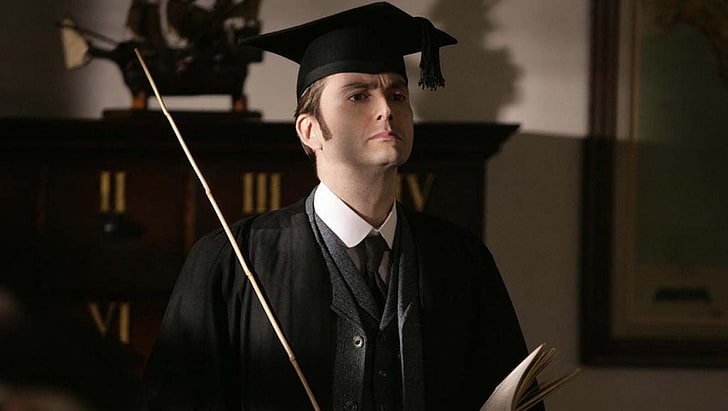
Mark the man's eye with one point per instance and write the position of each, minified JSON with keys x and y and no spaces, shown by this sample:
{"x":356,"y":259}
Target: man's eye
{"x":358,"y":97}
{"x":399,"y":97}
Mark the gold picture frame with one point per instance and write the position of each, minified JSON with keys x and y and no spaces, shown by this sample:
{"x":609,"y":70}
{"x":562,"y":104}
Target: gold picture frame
{"x":655,"y":221}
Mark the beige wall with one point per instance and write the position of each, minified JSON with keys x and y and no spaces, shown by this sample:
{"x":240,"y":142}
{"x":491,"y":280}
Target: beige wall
{"x":533,"y":216}
{"x":518,"y":61}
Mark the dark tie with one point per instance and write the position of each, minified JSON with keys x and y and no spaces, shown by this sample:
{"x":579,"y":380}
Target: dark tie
{"x":374,"y":248}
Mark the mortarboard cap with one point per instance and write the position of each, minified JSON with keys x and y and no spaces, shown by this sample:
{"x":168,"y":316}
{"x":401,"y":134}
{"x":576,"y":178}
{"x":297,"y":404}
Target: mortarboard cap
{"x":368,"y":39}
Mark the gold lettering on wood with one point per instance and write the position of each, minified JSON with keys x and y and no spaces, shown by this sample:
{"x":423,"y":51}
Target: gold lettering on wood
{"x":124,"y":321}
{"x":104,"y":322}
{"x":119,"y":189}
{"x":120,"y":196}
{"x":105,"y":191}
{"x":417,"y":193}
{"x":261,"y":192}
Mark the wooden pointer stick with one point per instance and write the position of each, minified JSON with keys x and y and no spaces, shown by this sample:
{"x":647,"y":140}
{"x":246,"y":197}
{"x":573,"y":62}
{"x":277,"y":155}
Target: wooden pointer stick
{"x":230,"y":236}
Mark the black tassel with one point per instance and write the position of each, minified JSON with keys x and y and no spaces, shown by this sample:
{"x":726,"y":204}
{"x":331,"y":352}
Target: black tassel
{"x":430,"y":73}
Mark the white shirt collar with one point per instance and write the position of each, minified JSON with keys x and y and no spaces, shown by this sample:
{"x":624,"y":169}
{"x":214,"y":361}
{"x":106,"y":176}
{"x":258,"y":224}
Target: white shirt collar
{"x":346,"y":223}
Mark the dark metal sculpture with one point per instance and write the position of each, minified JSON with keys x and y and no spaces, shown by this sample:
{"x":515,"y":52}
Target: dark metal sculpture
{"x":190,"y":50}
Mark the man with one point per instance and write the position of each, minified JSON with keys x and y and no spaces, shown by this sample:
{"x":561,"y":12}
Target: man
{"x":427,"y":324}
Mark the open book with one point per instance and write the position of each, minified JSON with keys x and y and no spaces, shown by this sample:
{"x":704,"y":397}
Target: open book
{"x":518,"y":391}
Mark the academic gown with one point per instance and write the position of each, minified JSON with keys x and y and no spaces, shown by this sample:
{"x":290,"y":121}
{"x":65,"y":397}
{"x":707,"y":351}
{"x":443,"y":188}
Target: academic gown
{"x":216,"y":350}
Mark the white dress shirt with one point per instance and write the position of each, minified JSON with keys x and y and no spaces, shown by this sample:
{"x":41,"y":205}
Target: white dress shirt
{"x":351,"y":228}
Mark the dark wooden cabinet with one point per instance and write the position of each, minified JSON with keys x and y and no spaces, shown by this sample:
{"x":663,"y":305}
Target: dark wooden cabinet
{"x":98,"y":215}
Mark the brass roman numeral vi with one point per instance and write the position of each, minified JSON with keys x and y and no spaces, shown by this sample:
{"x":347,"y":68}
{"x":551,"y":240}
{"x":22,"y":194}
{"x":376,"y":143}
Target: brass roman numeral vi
{"x":104,"y":322}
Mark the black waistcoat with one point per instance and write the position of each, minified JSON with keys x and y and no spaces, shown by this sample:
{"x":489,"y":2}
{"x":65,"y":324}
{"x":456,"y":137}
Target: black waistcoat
{"x":367,"y":367}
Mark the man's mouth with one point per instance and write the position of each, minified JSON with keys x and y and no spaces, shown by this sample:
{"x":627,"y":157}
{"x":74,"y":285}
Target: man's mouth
{"x":386,"y":135}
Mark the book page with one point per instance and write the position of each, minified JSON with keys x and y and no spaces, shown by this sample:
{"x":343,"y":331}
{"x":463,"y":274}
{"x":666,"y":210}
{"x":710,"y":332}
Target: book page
{"x":518,"y":391}
{"x":531,"y":398}
{"x":504,"y":395}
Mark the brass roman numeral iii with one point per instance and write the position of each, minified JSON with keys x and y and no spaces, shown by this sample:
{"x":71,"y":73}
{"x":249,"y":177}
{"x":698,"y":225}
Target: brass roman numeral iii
{"x":261,"y":192}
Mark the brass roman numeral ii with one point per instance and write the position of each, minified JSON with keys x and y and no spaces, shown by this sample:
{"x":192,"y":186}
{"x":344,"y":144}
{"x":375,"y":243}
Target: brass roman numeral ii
{"x":112,"y":189}
{"x":261,"y":192}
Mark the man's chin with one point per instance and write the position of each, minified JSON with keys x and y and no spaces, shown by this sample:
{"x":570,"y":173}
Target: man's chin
{"x":394,"y":160}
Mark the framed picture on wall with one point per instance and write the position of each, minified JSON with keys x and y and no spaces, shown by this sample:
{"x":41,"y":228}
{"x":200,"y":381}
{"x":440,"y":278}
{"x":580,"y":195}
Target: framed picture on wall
{"x":655,"y":222}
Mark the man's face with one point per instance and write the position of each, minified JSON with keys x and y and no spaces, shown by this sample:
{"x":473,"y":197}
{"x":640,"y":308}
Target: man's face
{"x":368,"y":120}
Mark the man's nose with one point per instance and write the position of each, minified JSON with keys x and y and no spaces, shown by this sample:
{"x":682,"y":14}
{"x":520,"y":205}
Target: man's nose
{"x":384,"y":110}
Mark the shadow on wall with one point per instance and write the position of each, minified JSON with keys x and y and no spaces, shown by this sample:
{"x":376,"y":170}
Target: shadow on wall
{"x":479,"y":81}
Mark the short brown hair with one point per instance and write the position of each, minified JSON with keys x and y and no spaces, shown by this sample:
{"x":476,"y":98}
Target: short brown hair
{"x":310,"y":103}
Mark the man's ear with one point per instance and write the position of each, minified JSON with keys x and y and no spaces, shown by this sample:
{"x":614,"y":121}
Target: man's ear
{"x":309,"y":132}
